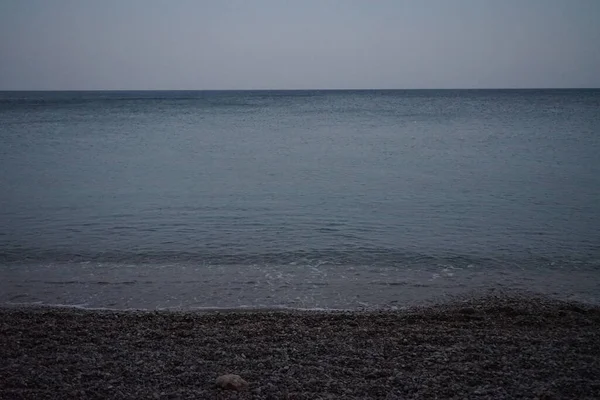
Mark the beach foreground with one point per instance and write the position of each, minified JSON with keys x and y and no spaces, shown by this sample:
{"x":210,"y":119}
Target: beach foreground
{"x":487,"y":347}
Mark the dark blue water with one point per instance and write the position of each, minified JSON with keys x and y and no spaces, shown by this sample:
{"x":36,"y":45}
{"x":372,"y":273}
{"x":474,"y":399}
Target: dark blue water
{"x":336,"y":199}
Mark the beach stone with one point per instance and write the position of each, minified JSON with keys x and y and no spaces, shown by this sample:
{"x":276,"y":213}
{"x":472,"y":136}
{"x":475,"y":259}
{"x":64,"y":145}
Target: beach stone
{"x":231,"y":382}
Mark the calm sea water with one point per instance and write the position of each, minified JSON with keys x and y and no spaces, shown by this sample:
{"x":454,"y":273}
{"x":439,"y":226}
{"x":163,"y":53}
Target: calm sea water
{"x":334,"y":199}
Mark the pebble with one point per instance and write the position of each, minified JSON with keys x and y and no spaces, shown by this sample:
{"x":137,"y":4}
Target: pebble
{"x":231,"y":382}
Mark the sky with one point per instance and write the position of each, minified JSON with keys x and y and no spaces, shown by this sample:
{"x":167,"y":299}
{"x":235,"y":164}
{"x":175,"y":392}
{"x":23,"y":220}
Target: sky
{"x":298,"y":44}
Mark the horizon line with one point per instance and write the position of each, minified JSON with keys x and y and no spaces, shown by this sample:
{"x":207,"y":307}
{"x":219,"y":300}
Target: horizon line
{"x":294,"y":90}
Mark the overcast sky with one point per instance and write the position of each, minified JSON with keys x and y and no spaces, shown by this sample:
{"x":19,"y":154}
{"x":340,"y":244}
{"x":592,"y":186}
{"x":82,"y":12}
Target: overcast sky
{"x":298,"y":44}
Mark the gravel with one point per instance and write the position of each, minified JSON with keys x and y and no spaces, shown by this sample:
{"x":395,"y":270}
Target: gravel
{"x":489,"y":347}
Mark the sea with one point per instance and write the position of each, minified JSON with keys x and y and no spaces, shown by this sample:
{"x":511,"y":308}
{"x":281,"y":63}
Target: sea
{"x":312,"y":199}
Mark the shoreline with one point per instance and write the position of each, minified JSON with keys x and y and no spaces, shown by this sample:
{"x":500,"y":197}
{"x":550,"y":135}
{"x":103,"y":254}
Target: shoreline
{"x":495,"y":346}
{"x":435,"y":301}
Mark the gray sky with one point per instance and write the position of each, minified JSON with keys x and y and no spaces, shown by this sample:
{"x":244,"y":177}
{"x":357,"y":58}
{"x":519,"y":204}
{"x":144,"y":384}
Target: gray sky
{"x":298,"y":44}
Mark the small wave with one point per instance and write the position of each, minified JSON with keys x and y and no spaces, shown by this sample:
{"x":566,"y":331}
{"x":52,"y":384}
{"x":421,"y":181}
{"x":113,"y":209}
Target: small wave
{"x":40,"y":304}
{"x":397,"y":283}
{"x":243,"y":308}
{"x":100,"y":283}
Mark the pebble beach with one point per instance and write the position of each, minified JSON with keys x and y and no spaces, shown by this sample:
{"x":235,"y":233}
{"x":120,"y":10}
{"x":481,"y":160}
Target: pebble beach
{"x":486,"y":347}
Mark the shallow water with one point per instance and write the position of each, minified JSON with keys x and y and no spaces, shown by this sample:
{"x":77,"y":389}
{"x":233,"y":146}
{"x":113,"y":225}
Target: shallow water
{"x":332,"y":199}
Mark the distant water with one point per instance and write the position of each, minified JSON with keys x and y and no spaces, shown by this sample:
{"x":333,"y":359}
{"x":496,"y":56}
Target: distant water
{"x":306,"y":199}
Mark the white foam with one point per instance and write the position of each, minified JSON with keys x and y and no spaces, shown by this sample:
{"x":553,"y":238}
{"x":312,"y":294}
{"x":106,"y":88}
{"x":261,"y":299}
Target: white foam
{"x":84,"y":306}
{"x":39,"y":304}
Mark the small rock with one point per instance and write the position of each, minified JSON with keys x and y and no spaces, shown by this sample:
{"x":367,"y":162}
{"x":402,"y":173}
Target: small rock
{"x":231,"y":382}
